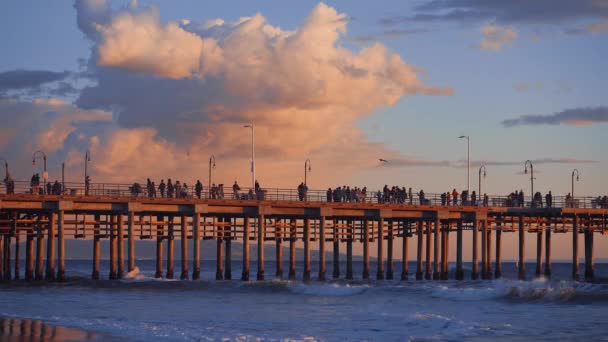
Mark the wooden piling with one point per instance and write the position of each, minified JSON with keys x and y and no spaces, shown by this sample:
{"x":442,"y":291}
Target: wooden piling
{"x":436,"y":256}
{"x":322,"y":265}
{"x":113,"y":246}
{"x":261,"y":229}
{"x":429,"y":238}
{"x":29,"y":257}
{"x":306,"y":275}
{"x":548,"y":250}
{"x":474,"y":262}
{"x":521,"y":263}
{"x":589,"y":267}
{"x":219,"y":259}
{"x":17,"y":274}
{"x":184,"y":240}
{"x":498,"y":267}
{"x":131,"y":242}
{"x":484,"y":249}
{"x":459,"y":269}
{"x":380,"y":244}
{"x":96,"y":247}
{"x":444,"y":251}
{"x":419,"y":251}
{"x":336,"y":255}
{"x":293,"y":238}
{"x":489,"y":254}
{"x":389,"y":251}
{"x":1,"y":257}
{"x":539,"y":251}
{"x":349,"y":251}
{"x":278,"y":238}
{"x":170,"y":248}
{"x":196,"y":246}
{"x":159,"y":248}
{"x":49,"y":274}
{"x":39,"y":253}
{"x":366,"y":267}
{"x":246,"y":250}
{"x":121,"y":247}
{"x":591,"y":257}
{"x":61,"y":245}
{"x":404,"y":251}
{"x":7,"y":258}
{"x":228,"y":249}
{"x":575,"y":274}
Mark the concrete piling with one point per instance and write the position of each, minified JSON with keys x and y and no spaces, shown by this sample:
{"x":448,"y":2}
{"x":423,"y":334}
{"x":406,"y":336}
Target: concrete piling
{"x":113,"y":247}
{"x":29,"y":256}
{"x":429,"y":238}
{"x":219,"y":255}
{"x":419,"y":251}
{"x":121,"y":247}
{"x":436,"y":256}
{"x":389,"y":251}
{"x":261,"y":235}
{"x":459,"y":269}
{"x":306,"y":274}
{"x":548,"y":250}
{"x":521,"y":263}
{"x":6,"y":263}
{"x":61,"y":245}
{"x":484,"y":249}
{"x":39,"y":253}
{"x":322,"y":266}
{"x":575,"y":274}
{"x":278,"y":238}
{"x":159,"y":247}
{"x":404,"y":252}
{"x":498,"y":267}
{"x":196,"y":246}
{"x":349,"y":251}
{"x":293,"y":237}
{"x":228,"y":249}
{"x":49,"y":274}
{"x":184,"y":240}
{"x":366,"y":232}
{"x":380,"y":244}
{"x":170,"y":248}
{"x":336,"y":255}
{"x":246,"y":250}
{"x":131,"y":242}
{"x":474,"y":262}
{"x":539,"y":251}
{"x":17,"y":234}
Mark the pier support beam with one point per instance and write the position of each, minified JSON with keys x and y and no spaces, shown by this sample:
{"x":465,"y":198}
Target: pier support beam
{"x":445,"y":243}
{"x":96,"y":247}
{"x":498,"y":270}
{"x":419,"y":251}
{"x":113,"y":245}
{"x":484,"y":249}
{"x":306,"y":275}
{"x":50,"y":248}
{"x":459,"y":269}
{"x":336,"y":255}
{"x":349,"y":251}
{"x":539,"y":251}
{"x":474,"y":263}
{"x":489,"y":253}
{"x":278,"y":237}
{"x":29,"y":256}
{"x":575,"y":274}
{"x":380,"y":244}
{"x":39,"y":253}
{"x":131,"y":231}
{"x":228,"y":249}
{"x":159,"y":248}
{"x":246,"y":250}
{"x":293,"y":238}
{"x":521,"y":263}
{"x":16,"y":276}
{"x":6,"y":265}
{"x":170,"y":248}
{"x":436,"y":256}
{"x":121,"y":247}
{"x":389,"y":251}
{"x":261,"y":229}
{"x":589,"y":267}
{"x":61,"y":245}
{"x":1,"y":257}
{"x":404,"y":252}
{"x":548,"y":250}
{"x":429,"y":238}
{"x":219,"y":257}
{"x":322,"y":266}
{"x":366,"y":249}
{"x":184,"y":240}
{"x":196,"y":246}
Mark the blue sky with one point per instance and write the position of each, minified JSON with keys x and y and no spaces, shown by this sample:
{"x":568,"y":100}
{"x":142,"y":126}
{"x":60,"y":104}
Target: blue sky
{"x":561,"y":71}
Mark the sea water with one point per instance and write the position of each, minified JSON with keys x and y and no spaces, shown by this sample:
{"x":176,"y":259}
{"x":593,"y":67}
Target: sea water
{"x":141,"y":308}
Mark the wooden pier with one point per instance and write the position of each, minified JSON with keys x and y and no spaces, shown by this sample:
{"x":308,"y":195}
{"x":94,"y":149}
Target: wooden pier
{"x":47,"y":221}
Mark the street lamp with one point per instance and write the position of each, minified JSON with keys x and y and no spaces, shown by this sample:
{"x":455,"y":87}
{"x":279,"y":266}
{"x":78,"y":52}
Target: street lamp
{"x":307,"y":169}
{"x":531,"y":177}
{"x":574,"y":172}
{"x":87,"y":159}
{"x":482,"y":167}
{"x":211,"y":166}
{"x":468,"y":161}
{"x":252,"y":154}
{"x":45,"y":174}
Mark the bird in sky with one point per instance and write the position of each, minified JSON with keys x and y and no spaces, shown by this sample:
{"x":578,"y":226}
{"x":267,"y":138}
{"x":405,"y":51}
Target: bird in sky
{"x":383,"y":160}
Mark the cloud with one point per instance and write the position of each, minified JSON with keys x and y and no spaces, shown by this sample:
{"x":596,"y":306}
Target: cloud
{"x":412,"y":162}
{"x":598,"y":27}
{"x":575,"y":117}
{"x":538,"y":161}
{"x":28,"y":79}
{"x":387,"y":35}
{"x":495,"y":37}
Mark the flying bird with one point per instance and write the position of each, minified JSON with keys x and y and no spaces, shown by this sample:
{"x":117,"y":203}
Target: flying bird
{"x":383,"y":160}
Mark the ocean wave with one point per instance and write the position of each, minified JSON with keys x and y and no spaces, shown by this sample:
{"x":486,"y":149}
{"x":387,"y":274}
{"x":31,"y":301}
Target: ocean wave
{"x":327,"y":289}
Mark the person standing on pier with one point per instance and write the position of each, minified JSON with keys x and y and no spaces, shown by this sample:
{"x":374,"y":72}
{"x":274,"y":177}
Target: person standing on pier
{"x":473,"y":198}
{"x":235,"y":190}
{"x":49,"y":188}
{"x":549,"y":199}
{"x":521,"y":198}
{"x":178,"y":189}
{"x":161,"y":188}
{"x":198,"y":188}
{"x":87,"y":185}
{"x":455,"y":196}
{"x":485,"y":200}
{"x":329,"y":195}
{"x":170,"y":188}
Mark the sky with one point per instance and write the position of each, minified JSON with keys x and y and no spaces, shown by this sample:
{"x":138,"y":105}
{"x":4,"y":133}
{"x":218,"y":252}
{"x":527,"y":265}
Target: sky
{"x":154,"y":88}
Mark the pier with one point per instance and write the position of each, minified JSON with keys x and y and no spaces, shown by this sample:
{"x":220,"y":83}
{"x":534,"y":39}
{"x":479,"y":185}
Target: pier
{"x":44,"y":222}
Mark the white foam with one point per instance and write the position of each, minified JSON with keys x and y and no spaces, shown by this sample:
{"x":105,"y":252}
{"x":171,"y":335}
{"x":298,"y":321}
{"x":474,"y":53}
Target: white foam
{"x":321,"y":289}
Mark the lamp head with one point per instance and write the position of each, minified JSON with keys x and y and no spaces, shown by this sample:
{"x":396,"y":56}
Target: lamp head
{"x":577,"y":178}
{"x":462,"y":136}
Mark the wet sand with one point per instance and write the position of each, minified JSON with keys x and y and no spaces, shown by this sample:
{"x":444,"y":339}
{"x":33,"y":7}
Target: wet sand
{"x":30,"y":330}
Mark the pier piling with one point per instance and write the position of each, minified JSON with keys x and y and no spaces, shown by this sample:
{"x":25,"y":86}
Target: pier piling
{"x":293,"y":237}
{"x":246,"y":250}
{"x":322,"y":269}
{"x":474,"y":262}
{"x":261,"y":228}
{"x":159,"y":247}
{"x":196,"y":247}
{"x":539,"y":251}
{"x":61,"y":245}
{"x":219,"y":252}
{"x":498,"y":270}
{"x":521,"y":263}
{"x":306,"y":275}
{"x":170,"y":248}
{"x":29,"y":256}
{"x":184,"y":240}
{"x":336,"y":255}
{"x":436,"y":233}
{"x":228,"y":249}
{"x":121,"y":247}
{"x":575,"y":274}
{"x":131,"y":241}
{"x":459,"y":269}
{"x":419,"y":251}
{"x":39,"y":253}
{"x":49,"y":274}
{"x":404,"y":252}
{"x":113,"y":246}
{"x":389,"y":251}
{"x":278,"y":238}
{"x":349,"y":251}
{"x":548,"y":250}
{"x":366,"y":267}
{"x":96,"y":247}
{"x":380,"y":245}
{"x":429,"y":237}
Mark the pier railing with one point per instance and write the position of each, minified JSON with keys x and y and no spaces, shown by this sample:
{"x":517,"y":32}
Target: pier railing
{"x":118,"y":190}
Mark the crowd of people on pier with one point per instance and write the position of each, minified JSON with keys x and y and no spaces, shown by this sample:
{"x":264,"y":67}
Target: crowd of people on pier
{"x":177,"y":189}
{"x":346,"y":194}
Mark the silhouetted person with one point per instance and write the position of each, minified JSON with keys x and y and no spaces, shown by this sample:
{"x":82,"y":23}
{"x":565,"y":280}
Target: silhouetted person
{"x":329,"y":195}
{"x":455,"y":196}
{"x":49,"y":188}
{"x":161,"y":188}
{"x":170,"y":188}
{"x":549,"y":199}
{"x":257,"y":186}
{"x":473,"y":198}
{"x":87,"y":185}
{"x":198,"y":188}
{"x":235,"y":190}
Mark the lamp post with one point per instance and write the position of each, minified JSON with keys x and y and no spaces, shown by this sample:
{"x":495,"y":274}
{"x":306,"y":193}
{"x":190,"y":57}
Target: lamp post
{"x":482,"y":167}
{"x":87,"y":159}
{"x":252,"y":154}
{"x":211,"y":166}
{"x":307,"y":168}
{"x":45,"y":174}
{"x":531,"y":176}
{"x":574,"y":172}
{"x":468,"y":162}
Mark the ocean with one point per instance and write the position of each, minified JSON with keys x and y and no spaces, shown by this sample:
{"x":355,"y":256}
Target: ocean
{"x":141,"y":308}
